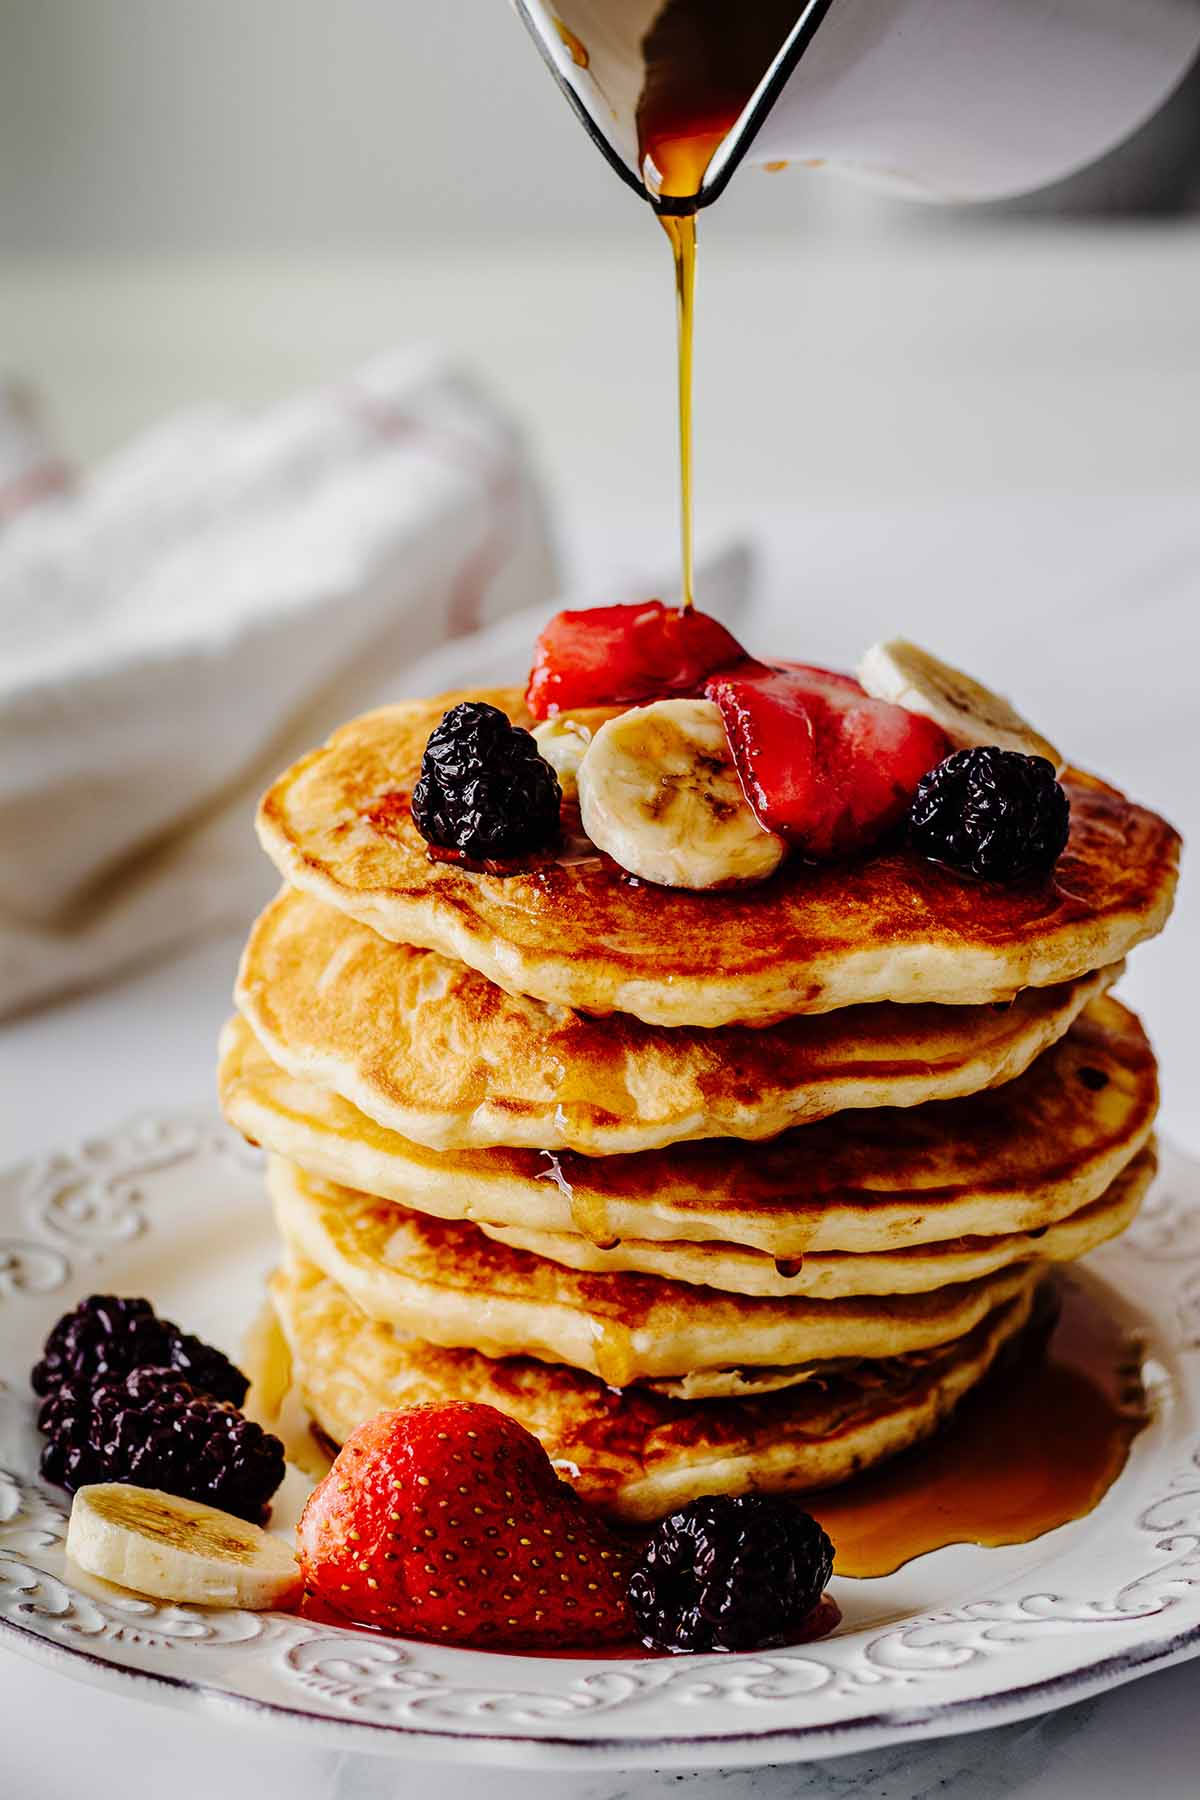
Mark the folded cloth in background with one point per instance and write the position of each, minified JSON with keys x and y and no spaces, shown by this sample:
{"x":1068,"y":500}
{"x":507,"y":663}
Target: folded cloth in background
{"x":212,"y":873}
{"x":166,"y":620}
{"x":31,"y":469}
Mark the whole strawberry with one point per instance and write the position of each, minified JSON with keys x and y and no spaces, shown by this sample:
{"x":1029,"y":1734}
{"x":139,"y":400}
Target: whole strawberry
{"x":449,"y":1522}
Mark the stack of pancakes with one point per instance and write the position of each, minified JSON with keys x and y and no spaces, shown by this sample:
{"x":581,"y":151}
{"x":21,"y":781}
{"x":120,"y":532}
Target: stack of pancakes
{"x":711,"y":1191}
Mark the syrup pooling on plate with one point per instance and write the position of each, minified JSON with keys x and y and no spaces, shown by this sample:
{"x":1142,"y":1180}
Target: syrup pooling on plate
{"x":1037,"y":1447}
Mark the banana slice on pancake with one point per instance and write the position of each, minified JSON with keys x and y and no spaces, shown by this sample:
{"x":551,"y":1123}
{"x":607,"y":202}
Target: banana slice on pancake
{"x":178,"y":1550}
{"x":563,"y":742}
{"x":967,"y":712}
{"x":658,"y":791}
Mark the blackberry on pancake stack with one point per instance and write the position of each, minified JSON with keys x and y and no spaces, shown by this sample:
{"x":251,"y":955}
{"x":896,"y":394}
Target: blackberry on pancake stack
{"x":713,"y":1191}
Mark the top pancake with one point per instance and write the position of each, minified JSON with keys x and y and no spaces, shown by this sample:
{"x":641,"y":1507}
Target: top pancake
{"x":579,"y":932}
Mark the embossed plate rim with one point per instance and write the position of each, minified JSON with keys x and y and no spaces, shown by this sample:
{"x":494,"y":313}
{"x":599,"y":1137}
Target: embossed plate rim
{"x":69,"y":1220}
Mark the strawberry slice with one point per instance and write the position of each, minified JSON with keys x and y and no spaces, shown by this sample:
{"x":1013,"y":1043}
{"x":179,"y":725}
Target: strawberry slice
{"x":821,"y":763}
{"x":449,"y":1522}
{"x":616,"y":655}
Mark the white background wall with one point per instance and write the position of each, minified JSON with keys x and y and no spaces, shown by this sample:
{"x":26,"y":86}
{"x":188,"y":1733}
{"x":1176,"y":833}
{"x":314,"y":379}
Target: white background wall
{"x":334,"y":125}
{"x":329,"y":124}
{"x":231,"y":197}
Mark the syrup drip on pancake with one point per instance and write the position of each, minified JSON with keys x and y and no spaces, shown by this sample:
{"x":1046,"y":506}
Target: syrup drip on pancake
{"x":1038,"y":1446}
{"x":589,"y":1210}
{"x":389,"y":813}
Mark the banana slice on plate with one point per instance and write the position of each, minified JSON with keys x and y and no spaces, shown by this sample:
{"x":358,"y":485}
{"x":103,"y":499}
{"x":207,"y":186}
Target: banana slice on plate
{"x":967,"y":712}
{"x":658,"y":791}
{"x":178,"y":1550}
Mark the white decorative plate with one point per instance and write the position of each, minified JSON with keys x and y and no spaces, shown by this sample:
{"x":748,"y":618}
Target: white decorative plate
{"x":173,"y":1208}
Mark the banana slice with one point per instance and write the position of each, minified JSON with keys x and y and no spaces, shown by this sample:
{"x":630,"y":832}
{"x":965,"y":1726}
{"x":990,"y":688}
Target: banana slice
{"x":179,"y":1550}
{"x":659,"y":792}
{"x":967,"y":712}
{"x":564,"y":742}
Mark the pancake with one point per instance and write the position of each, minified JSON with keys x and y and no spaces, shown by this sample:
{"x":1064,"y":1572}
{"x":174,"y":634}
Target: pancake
{"x":578,"y":932}
{"x":1014,"y":1159}
{"x":449,"y":1284}
{"x":835,"y":1275}
{"x":434,"y":1051}
{"x":636,"y":1455}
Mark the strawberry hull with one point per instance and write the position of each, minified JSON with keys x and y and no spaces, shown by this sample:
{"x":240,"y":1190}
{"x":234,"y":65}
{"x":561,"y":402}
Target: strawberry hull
{"x":821,"y":763}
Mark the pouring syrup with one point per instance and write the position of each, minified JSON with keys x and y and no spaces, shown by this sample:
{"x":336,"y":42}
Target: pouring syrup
{"x":703,"y":61}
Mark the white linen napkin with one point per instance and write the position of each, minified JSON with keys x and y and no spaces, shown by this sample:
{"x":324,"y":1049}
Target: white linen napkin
{"x":213,"y":874}
{"x":225,"y":588}
{"x":31,"y":469}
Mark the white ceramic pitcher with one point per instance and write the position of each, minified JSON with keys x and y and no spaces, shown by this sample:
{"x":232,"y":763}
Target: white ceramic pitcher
{"x":947,"y":100}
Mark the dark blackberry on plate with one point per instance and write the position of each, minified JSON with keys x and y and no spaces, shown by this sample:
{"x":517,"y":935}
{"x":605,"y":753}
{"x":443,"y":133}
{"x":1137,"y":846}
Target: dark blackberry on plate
{"x":106,"y":1337}
{"x":484,"y":789}
{"x":153,"y":1429}
{"x":730,"y":1572}
{"x":995,"y":814}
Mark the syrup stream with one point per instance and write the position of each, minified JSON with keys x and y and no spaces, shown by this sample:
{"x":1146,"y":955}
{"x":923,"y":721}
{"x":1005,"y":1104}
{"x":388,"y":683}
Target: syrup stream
{"x":681,"y":229}
{"x":703,"y":61}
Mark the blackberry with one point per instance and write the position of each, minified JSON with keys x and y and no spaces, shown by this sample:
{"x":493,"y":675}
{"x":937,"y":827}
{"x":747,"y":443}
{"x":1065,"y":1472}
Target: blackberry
{"x":484,"y":789}
{"x":106,"y":1338}
{"x":730,"y":1572}
{"x":992,"y":813}
{"x":152,"y":1428}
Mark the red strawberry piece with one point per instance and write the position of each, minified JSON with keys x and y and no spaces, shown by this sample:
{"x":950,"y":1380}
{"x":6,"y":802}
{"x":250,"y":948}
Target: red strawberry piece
{"x":821,"y":763}
{"x":449,"y":1522}
{"x":616,"y":655}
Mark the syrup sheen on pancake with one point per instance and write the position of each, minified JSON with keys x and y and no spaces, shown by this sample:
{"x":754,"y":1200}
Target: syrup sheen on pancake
{"x":576,"y":932}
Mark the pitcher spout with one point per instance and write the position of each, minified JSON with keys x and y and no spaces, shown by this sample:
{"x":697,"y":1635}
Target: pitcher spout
{"x":951,"y":100}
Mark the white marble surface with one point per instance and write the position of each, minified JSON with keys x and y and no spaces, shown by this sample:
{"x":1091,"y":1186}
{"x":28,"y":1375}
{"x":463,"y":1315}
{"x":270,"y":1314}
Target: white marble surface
{"x":836,"y":422}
